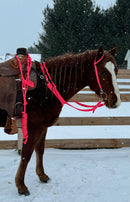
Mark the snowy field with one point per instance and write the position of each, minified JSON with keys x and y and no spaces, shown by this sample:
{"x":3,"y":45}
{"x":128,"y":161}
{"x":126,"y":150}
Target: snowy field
{"x":75,"y":176}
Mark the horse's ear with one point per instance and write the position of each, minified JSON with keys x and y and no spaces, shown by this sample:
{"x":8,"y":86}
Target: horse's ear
{"x":113,"y":51}
{"x":99,"y":53}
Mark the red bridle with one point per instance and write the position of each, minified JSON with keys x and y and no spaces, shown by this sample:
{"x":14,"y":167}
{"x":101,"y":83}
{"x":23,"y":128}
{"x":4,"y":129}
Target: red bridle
{"x":98,"y":80}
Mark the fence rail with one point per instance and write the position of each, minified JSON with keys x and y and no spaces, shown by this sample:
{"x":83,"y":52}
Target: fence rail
{"x":80,"y":121}
{"x":123,"y":74}
{"x":95,"y":121}
{"x":93,"y":98}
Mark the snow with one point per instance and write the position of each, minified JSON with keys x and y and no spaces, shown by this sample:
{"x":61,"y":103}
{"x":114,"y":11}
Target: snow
{"x":36,"y":57}
{"x":33,"y":56}
{"x":75,"y":176}
{"x":2,"y":58}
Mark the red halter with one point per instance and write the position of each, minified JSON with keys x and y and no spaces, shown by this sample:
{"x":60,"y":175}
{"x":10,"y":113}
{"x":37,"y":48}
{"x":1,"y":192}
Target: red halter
{"x":97,"y":77}
{"x":54,"y":90}
{"x":96,"y":72}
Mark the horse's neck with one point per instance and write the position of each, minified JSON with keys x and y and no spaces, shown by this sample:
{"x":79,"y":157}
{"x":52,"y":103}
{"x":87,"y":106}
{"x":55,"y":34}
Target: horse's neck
{"x":74,"y":82}
{"x":73,"y":76}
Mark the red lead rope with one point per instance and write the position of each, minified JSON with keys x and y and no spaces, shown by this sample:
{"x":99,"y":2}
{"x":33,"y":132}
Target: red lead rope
{"x":54,"y":90}
{"x":25,"y":84}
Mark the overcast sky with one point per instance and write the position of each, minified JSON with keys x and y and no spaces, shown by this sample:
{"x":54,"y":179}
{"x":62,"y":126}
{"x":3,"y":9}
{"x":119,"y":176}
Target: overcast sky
{"x":20,"y":22}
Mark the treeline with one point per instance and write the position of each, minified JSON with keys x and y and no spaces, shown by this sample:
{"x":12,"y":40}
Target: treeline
{"x":77,"y":25}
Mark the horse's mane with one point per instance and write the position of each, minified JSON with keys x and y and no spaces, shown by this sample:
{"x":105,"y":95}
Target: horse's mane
{"x":65,"y":67}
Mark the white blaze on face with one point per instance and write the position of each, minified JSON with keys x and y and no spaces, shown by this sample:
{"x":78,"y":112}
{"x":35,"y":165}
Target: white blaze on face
{"x":110,"y":67}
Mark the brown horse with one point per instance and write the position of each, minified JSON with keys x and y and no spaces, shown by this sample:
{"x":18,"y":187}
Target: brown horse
{"x":70,"y":73}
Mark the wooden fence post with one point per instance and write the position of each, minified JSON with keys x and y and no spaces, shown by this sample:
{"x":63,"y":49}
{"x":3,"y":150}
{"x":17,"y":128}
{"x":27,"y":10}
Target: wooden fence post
{"x":20,"y":140}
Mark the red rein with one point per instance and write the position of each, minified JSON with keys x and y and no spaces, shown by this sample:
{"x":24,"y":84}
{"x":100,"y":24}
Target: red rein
{"x":26,"y":83}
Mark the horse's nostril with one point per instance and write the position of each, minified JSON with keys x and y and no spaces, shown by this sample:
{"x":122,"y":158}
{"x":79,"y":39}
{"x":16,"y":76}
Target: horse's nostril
{"x":111,"y":102}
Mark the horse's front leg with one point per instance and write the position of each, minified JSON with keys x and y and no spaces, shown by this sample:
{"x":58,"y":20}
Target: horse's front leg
{"x":26,"y":153}
{"x":27,"y":150}
{"x":39,"y":148}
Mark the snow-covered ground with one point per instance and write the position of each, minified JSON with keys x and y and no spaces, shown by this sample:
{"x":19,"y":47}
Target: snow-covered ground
{"x":75,"y":176}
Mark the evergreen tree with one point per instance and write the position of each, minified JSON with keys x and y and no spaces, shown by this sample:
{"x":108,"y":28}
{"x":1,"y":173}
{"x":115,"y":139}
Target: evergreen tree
{"x":69,"y":27}
{"x":32,"y":49}
{"x":118,"y":28}
{"x":122,"y":24}
{"x":77,"y":25}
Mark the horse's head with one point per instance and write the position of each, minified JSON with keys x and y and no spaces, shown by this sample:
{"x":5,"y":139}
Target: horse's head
{"x":102,"y":77}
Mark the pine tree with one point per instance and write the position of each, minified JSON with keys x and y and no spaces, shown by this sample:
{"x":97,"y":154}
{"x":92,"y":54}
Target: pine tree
{"x":122,"y":23}
{"x":77,"y":25}
{"x":32,"y":49}
{"x":118,"y":28}
{"x":68,"y":27}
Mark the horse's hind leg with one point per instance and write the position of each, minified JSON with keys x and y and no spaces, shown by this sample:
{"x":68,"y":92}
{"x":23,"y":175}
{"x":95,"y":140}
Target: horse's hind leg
{"x":39,"y":148}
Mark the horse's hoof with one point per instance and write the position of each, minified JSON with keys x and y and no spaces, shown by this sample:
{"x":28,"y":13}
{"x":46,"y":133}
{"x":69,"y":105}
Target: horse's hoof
{"x":25,"y":193}
{"x":44,"y":179}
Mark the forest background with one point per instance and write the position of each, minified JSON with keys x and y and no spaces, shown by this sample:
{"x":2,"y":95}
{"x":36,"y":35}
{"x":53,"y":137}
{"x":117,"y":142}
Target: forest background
{"x":79,"y":25}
